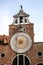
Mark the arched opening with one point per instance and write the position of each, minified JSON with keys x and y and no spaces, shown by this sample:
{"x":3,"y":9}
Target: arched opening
{"x":40,"y":64}
{"x":16,"y":21}
{"x":21,"y":60}
{"x":21,"y":18}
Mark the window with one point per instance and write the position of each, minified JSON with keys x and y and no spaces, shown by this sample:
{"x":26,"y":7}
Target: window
{"x":2,"y":55}
{"x":27,"y":61}
{"x":24,"y":29}
{"x":1,"y":64}
{"x":15,"y":61}
{"x":21,"y":60}
{"x":25,"y":20}
{"x":40,"y":64}
{"x":39,"y":53}
{"x":16,"y":21}
{"x":21,"y":18}
{"x":0,"y":42}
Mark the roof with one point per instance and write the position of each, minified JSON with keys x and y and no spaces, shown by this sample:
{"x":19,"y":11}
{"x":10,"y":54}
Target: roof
{"x":21,"y":12}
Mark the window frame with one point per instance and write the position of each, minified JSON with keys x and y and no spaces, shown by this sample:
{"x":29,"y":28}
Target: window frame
{"x":39,"y":62}
{"x":23,"y":55}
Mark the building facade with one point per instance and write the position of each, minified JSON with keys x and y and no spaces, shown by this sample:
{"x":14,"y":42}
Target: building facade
{"x":19,"y":47}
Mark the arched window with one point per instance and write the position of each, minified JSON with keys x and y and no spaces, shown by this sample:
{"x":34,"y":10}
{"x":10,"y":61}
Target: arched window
{"x":25,"y":20}
{"x":21,"y":18}
{"x":21,"y":60}
{"x":40,"y":63}
{"x":16,"y":21}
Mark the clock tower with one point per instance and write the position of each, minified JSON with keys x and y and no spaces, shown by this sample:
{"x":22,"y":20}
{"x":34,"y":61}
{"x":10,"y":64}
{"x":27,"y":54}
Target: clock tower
{"x":21,"y":35}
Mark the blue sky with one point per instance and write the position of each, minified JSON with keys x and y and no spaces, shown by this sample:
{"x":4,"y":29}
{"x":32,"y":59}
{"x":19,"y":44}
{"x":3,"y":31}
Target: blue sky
{"x":34,"y":8}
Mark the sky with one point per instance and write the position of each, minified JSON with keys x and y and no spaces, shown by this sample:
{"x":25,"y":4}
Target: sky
{"x":34,"y":8}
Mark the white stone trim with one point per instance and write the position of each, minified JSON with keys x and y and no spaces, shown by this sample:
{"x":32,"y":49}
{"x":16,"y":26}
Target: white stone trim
{"x":17,"y":60}
{"x":23,"y":60}
{"x":39,"y":62}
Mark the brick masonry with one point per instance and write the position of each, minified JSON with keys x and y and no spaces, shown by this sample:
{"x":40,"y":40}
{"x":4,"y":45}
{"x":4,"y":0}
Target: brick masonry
{"x":32,"y":53}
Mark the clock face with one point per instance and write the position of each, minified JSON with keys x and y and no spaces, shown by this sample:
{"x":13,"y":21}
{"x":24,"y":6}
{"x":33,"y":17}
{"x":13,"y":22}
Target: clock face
{"x":21,"y":42}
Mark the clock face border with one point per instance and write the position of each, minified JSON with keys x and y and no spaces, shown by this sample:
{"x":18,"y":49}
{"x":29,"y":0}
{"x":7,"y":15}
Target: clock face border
{"x":18,"y":50}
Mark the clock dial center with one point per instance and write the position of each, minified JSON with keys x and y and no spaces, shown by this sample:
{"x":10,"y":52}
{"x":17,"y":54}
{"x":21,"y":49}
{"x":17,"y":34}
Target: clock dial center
{"x":21,"y":41}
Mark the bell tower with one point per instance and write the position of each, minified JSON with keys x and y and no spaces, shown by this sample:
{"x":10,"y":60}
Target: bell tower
{"x":21,"y":23}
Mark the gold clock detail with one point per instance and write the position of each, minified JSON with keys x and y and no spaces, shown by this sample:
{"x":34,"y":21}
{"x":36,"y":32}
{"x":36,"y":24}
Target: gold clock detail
{"x":21,"y":41}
